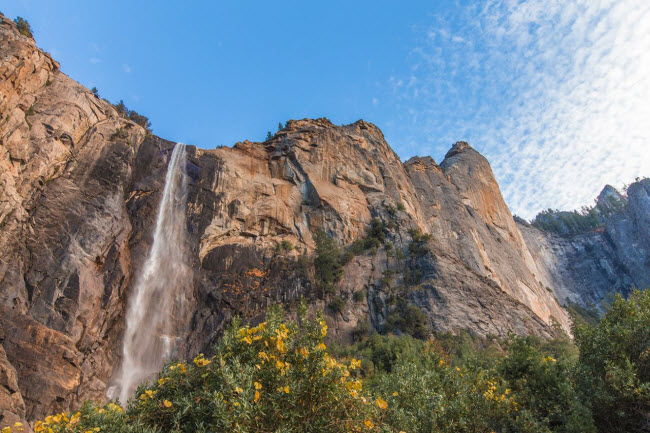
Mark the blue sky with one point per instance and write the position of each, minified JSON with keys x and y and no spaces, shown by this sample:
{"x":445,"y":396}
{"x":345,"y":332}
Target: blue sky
{"x":555,"y":93}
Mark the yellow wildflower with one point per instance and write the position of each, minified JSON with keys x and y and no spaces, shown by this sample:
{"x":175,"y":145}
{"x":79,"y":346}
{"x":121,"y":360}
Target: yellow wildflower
{"x":238,"y":390}
{"x":167,"y":403}
{"x":258,"y":385}
{"x":75,"y":418}
{"x":368,"y":424}
{"x":257,"y":396}
{"x":381,"y":403}
{"x":395,"y":394}
{"x":200,"y":361}
{"x":355,"y":364}
{"x":321,"y":347}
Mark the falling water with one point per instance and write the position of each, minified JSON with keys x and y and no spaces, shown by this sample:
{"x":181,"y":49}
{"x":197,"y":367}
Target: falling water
{"x":157,"y":306}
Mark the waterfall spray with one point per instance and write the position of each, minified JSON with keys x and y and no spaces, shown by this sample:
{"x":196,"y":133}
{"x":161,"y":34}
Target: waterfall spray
{"x":157,"y":307}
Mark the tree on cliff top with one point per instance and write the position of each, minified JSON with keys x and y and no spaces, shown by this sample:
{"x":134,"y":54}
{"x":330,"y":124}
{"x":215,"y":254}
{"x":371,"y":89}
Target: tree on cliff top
{"x":23,"y":27}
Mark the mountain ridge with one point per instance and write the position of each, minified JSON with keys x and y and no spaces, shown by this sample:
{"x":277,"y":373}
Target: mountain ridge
{"x":81,"y":186}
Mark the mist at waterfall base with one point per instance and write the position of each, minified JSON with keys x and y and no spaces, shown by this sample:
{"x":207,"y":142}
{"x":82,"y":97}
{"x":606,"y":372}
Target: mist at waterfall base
{"x":157,"y":307}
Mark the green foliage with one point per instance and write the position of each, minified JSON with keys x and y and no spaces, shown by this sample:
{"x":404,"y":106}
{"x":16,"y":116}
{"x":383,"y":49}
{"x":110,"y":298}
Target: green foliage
{"x":24,"y":28}
{"x":376,"y":233}
{"x":432,"y":396}
{"x":614,"y":366}
{"x":375,"y":238}
{"x":576,"y":222}
{"x":582,"y":315}
{"x":327,"y":264}
{"x":359,"y":295}
{"x":543,"y":384}
{"x":408,"y":319}
{"x":361,"y":330}
{"x":401,"y":207}
{"x":380,"y":353}
{"x":96,"y":92}
{"x":278,"y":377}
{"x":336,"y":305}
{"x":269,"y":135}
{"x":418,"y":245}
{"x":133,"y":116}
{"x":284,"y":246}
{"x":120,"y":134}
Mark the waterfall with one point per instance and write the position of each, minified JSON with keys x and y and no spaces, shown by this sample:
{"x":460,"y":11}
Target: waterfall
{"x":157,"y":308}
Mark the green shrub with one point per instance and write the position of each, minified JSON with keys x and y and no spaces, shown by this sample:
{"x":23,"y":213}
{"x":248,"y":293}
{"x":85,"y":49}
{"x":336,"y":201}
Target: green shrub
{"x":336,"y":305}
{"x":120,"y":134}
{"x":614,"y":365}
{"x":418,"y":246}
{"x":385,"y":351}
{"x":284,"y":246}
{"x":432,"y":396}
{"x":132,"y":115}
{"x":544,"y":385}
{"x":408,"y":319}
{"x":359,"y":295}
{"x":24,"y":28}
{"x":327,"y":264}
{"x":361,"y":330}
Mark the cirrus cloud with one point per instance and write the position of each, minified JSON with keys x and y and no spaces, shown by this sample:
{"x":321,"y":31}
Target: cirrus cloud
{"x":556,"y":94}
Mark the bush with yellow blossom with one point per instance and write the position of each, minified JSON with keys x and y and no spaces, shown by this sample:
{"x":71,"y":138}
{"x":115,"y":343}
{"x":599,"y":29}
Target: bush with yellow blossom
{"x":275,"y":376}
{"x":433,"y":395}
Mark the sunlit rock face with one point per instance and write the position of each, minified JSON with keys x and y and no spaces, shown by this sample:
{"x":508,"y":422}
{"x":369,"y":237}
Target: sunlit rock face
{"x":79,"y":204}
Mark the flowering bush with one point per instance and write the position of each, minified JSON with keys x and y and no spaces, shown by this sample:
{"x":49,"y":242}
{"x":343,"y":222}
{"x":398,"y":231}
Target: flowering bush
{"x":280,"y":377}
{"x":614,"y":367}
{"x":435,"y":396}
{"x":271,"y":377}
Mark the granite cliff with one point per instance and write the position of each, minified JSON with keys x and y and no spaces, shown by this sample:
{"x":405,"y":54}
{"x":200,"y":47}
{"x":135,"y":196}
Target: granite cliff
{"x":587,"y":268}
{"x":79,"y":189}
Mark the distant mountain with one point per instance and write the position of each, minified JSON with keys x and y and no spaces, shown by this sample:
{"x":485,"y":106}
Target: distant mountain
{"x":586,"y":257}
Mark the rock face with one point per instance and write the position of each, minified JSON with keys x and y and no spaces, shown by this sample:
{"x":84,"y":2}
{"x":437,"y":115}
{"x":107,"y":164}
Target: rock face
{"x":588,"y":268}
{"x":79,"y":193}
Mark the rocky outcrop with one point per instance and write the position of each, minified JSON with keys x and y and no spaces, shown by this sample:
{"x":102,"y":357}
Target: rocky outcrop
{"x":80,"y":187}
{"x":64,"y":260}
{"x":589,"y":268}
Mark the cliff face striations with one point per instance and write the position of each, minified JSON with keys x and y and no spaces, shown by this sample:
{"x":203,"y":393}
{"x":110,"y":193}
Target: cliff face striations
{"x":79,"y":191}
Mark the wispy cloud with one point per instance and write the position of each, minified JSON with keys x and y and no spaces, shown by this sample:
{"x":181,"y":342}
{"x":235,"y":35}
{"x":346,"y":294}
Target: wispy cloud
{"x":94,"y":60}
{"x":556,"y":94}
{"x":126,"y":68}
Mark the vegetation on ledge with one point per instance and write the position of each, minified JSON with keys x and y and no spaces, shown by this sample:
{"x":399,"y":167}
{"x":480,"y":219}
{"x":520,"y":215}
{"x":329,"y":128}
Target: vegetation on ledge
{"x":279,"y":377}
